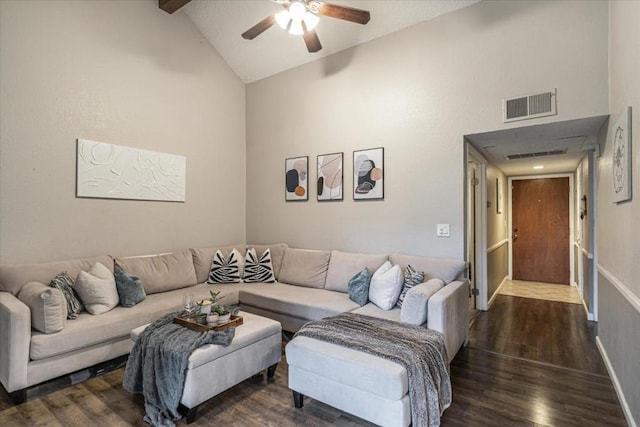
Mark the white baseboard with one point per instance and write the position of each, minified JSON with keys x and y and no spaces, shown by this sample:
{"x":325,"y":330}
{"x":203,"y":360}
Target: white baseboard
{"x":616,"y":385}
{"x":495,"y":294}
{"x":590,"y":316}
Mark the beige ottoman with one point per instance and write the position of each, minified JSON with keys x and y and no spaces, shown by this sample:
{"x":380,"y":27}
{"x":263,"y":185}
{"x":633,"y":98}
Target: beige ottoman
{"x":212,"y":369}
{"x":358,"y":383}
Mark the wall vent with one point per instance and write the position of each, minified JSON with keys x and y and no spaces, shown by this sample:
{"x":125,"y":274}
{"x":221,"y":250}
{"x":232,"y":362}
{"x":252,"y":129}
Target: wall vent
{"x":537,"y":154}
{"x":529,"y":106}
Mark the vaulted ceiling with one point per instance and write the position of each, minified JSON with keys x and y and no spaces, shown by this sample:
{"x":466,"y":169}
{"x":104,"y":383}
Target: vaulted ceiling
{"x":223,"y":21}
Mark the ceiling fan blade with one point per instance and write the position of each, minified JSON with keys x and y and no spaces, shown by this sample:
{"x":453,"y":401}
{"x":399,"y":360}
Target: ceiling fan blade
{"x":358,"y":16}
{"x":311,"y":39}
{"x":259,"y":28}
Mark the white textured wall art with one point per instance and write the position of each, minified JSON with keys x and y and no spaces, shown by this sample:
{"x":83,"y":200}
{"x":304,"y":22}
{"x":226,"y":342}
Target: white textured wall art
{"x":116,"y":172}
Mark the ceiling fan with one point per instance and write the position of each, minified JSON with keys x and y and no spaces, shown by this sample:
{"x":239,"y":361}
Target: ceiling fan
{"x":300,"y":17}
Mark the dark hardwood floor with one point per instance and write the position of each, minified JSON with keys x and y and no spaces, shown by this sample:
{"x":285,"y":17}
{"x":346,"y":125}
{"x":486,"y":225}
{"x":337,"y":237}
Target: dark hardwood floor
{"x":551,"y":332}
{"x":489,"y":389}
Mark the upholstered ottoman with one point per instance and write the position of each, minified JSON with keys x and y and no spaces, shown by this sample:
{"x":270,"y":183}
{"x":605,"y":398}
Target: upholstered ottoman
{"x":212,"y":369}
{"x":366,"y":386}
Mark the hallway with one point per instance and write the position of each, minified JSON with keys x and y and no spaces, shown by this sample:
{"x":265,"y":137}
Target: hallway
{"x":532,"y":361}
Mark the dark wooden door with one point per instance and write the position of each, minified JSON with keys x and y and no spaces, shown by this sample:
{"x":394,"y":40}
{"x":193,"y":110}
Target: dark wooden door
{"x":540,"y":234}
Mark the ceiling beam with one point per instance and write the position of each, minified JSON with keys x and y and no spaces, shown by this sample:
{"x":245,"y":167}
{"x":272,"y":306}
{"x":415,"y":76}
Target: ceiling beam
{"x":171,"y":6}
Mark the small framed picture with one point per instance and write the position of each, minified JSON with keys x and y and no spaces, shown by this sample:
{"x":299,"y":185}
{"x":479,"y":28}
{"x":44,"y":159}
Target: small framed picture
{"x":330,"y":177}
{"x":368,"y":174}
{"x":296,"y":179}
{"x":498,"y":196}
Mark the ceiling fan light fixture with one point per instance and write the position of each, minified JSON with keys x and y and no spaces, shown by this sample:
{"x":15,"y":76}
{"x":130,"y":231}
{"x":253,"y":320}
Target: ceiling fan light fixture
{"x":297,"y":11}
{"x":311,"y":20}
{"x":296,"y":28}
{"x":283,"y":18}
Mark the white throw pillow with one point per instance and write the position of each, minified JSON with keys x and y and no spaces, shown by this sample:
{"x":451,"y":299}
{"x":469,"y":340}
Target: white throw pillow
{"x":386,"y":285}
{"x":97,"y":289}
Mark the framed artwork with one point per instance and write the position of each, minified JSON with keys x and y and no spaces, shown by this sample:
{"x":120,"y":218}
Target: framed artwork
{"x":109,"y":171}
{"x":330,"y":177}
{"x":296,"y":179}
{"x":498,"y":196}
{"x":621,"y":158}
{"x":368,"y":174}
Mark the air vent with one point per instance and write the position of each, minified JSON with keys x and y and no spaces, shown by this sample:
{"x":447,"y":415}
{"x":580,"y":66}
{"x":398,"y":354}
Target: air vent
{"x":529,"y":106}
{"x":536,"y":154}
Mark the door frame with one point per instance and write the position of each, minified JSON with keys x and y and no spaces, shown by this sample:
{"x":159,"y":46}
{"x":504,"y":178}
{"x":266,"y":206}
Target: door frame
{"x":571,"y":198}
{"x":480,"y":224}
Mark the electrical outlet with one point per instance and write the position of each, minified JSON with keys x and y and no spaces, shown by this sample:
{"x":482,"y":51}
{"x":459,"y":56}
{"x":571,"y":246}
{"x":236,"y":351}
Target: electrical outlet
{"x":442,"y":230}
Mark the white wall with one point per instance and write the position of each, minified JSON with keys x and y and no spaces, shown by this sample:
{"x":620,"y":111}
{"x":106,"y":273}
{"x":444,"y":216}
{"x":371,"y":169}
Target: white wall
{"x":126,"y":73}
{"x":416,"y":93}
{"x":618,"y":228}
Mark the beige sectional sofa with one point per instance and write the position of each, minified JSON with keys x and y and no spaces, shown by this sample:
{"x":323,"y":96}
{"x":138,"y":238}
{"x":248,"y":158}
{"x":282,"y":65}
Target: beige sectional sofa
{"x":311,"y":284}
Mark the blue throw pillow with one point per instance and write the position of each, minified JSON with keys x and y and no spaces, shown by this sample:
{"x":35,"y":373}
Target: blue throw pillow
{"x":130,"y":289}
{"x":359,"y":287}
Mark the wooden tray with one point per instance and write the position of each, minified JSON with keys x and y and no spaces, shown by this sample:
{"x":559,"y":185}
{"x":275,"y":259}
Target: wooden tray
{"x":191,"y":324}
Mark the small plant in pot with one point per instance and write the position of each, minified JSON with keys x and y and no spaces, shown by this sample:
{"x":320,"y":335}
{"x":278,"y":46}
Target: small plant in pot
{"x":212,"y":315}
{"x":223,"y":313}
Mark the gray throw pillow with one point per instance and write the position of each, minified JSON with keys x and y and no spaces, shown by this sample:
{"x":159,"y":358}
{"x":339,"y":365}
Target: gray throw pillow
{"x":358,"y":287}
{"x":130,"y":288}
{"x":65,"y":284}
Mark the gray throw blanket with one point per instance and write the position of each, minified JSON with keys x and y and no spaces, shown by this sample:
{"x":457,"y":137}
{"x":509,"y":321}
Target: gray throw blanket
{"x":419,"y":350}
{"x":157,"y":365}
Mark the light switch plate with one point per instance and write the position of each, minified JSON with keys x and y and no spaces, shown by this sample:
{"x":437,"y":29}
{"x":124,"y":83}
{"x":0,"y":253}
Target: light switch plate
{"x":442,"y":230}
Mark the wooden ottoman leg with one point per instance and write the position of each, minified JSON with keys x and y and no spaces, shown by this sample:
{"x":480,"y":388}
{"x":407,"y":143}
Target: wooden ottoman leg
{"x":271,"y":370}
{"x":298,"y":399}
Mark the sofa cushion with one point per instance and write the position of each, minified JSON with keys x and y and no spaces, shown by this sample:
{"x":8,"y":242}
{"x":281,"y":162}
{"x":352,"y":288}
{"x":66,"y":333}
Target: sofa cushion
{"x":446,"y":269}
{"x":277,"y":253}
{"x":344,"y":265}
{"x":415,"y":307}
{"x":13,"y":276}
{"x":373,"y":310}
{"x":202,"y":258}
{"x":97,"y":289}
{"x":359,"y":287}
{"x":296,"y":301}
{"x":386,"y":285}
{"x":160,"y":273}
{"x":65,"y":284}
{"x":304,"y":267}
{"x":258,"y":270}
{"x":117,"y":324}
{"x":226,"y":269}
{"x":411,"y":279}
{"x":130,"y":288}
{"x":48,"y":307}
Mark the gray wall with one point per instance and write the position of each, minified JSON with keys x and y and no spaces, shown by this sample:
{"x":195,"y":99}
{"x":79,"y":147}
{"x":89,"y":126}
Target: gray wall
{"x":416,"y":93}
{"x":122,"y":72}
{"x":618,"y":228}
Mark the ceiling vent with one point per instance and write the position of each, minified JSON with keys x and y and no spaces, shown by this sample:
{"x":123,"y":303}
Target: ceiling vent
{"x":529,"y":106}
{"x":537,"y":154}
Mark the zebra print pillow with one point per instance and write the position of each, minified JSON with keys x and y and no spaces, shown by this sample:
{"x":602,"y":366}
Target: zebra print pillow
{"x":258,"y":269}
{"x":225,"y":270}
{"x":411,"y":278}
{"x":65,"y":284}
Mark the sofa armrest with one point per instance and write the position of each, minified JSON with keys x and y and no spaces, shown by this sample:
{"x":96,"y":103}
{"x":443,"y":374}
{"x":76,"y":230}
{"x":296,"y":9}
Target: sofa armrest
{"x":449,"y":313}
{"x":15,"y":336}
